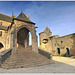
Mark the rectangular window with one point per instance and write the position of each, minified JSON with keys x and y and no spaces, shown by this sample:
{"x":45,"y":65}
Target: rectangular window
{"x":0,"y":33}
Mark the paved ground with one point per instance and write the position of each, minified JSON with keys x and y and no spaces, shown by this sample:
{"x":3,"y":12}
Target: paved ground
{"x":61,"y":65}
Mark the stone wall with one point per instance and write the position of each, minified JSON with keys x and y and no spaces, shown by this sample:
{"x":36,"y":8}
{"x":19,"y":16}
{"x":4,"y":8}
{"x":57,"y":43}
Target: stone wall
{"x":4,"y":39}
{"x":62,"y":43}
{"x":5,"y":23}
{"x":56,"y":45}
{"x":4,"y":55}
{"x":45,"y":53}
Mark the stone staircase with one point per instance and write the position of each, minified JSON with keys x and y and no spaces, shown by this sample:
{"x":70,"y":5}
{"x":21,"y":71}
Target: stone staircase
{"x":25,"y":58}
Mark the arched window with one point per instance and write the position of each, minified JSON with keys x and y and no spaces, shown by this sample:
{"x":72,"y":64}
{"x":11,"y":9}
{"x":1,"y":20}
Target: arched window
{"x":1,"y":45}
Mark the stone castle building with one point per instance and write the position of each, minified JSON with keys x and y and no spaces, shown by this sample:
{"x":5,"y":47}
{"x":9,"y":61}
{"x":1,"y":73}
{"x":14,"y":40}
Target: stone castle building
{"x":56,"y":45}
{"x":15,"y":51}
{"x":14,"y":32}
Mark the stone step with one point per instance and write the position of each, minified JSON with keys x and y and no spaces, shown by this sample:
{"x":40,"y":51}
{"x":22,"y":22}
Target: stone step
{"x":24,"y":62}
{"x":25,"y":58}
{"x":24,"y":65}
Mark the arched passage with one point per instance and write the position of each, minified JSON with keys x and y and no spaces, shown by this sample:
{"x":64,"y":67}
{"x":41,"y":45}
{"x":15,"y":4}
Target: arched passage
{"x":58,"y":50}
{"x":1,"y":45}
{"x":21,"y":41}
{"x":23,"y":37}
{"x":67,"y":51}
{"x":30,"y":39}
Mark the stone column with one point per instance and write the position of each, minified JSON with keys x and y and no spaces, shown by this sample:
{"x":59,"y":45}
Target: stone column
{"x":34,"y":42}
{"x":25,"y":42}
{"x":14,"y":41}
{"x":28,"y":39}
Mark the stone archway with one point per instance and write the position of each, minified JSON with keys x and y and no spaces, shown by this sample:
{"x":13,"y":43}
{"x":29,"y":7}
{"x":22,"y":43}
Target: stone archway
{"x":34,"y":46}
{"x":23,"y":37}
{"x":29,"y":28}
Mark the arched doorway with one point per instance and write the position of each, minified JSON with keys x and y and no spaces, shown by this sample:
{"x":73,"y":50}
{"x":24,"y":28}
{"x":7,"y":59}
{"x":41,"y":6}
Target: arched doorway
{"x":1,"y":45}
{"x":58,"y":50}
{"x":67,"y":51}
{"x":23,"y":37}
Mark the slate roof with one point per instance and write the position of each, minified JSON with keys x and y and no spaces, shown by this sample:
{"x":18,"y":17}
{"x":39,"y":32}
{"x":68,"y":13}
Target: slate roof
{"x":3,"y":28}
{"x":5,"y":18}
{"x":23,"y":18}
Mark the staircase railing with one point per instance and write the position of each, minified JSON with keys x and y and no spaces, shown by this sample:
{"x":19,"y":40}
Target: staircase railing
{"x":44,"y":53}
{"x":4,"y":55}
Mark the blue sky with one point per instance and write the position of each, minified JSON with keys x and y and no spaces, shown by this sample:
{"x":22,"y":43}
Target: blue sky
{"x":59,"y":16}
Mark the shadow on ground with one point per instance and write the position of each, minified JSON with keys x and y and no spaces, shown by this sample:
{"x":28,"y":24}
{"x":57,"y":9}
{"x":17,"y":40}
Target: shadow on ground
{"x":56,"y":67}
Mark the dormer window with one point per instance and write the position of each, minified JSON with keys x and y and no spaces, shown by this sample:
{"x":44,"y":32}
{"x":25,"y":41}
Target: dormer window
{"x":0,"y":23}
{"x":0,"y":33}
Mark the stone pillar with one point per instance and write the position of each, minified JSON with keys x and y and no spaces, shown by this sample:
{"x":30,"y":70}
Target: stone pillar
{"x":28,"y":39}
{"x":34,"y":42}
{"x":14,"y":42}
{"x":25,"y":42}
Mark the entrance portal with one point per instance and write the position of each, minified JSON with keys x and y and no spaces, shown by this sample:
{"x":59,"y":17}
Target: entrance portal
{"x":58,"y":50}
{"x":1,"y":45}
{"x":67,"y":51}
{"x":23,"y":37}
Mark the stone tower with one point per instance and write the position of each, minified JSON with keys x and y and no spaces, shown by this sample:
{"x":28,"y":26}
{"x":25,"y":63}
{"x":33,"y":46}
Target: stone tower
{"x":45,"y":40}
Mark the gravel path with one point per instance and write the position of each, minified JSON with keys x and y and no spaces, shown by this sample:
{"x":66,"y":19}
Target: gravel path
{"x":61,"y":65}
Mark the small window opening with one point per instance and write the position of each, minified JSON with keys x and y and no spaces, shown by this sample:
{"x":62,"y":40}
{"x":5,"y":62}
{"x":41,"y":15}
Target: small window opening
{"x":61,"y":41}
{"x":0,"y":33}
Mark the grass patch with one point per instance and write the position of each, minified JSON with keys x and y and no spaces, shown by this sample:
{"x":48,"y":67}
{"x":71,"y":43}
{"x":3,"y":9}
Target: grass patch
{"x":57,"y":56}
{"x":22,"y":66}
{"x":60,"y":56}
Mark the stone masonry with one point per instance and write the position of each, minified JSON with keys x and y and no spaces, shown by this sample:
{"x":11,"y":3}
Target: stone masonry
{"x":56,"y":45}
{"x":12,"y":29}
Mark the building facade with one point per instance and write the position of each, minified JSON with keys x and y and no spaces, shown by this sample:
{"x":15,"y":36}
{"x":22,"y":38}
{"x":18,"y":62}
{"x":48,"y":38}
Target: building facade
{"x":56,"y":45}
{"x":14,"y":32}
